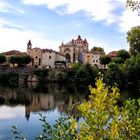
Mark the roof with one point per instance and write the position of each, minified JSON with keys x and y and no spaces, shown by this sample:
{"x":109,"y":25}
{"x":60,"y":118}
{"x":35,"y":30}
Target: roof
{"x":12,"y":52}
{"x":47,"y":50}
{"x":74,"y":42}
{"x":112,"y":54}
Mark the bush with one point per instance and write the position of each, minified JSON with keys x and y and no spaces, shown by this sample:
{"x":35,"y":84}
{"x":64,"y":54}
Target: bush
{"x":102,"y":119}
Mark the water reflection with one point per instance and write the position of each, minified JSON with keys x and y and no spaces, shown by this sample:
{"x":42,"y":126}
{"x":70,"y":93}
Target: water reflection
{"x":42,"y":97}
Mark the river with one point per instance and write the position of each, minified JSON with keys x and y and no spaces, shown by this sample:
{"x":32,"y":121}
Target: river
{"x":21,"y":106}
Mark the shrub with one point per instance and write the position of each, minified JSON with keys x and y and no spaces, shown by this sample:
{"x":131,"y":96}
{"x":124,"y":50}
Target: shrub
{"x":102,"y":119}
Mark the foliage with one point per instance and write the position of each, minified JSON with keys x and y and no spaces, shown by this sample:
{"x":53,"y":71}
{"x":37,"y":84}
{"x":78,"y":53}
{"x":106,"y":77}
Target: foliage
{"x":102,"y":119}
{"x":63,"y":129}
{"x":2,"y":59}
{"x":114,"y":75}
{"x":14,"y":60}
{"x":41,"y":73}
{"x":79,"y":73}
{"x":98,"y":49}
{"x":117,"y":60}
{"x":24,"y":60}
{"x":76,"y":66}
{"x":105,"y":59}
{"x":20,"y":60}
{"x":17,"y":133}
{"x":134,"y":5}
{"x":123,"y":54}
{"x":105,"y":120}
{"x":133,"y":38}
{"x":10,"y":79}
{"x":132,"y":70}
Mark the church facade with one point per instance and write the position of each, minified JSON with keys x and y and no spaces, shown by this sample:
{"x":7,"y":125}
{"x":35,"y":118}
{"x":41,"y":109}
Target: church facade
{"x":74,"y":50}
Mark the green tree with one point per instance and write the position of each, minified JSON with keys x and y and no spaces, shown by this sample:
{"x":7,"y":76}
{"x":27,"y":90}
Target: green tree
{"x":25,"y":59}
{"x":14,"y":60}
{"x":97,"y":49}
{"x":2,"y":59}
{"x":41,"y":73}
{"x":118,"y":60}
{"x":133,"y":38}
{"x":105,"y":59}
{"x":123,"y":54}
{"x":132,"y":70}
{"x":104,"y":120}
{"x":134,"y":5}
{"x":114,"y":75}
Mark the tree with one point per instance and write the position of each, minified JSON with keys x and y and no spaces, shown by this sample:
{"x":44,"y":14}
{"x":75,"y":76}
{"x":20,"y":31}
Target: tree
{"x":105,"y":59}
{"x":123,"y":54}
{"x":132,"y":70}
{"x":117,"y":60}
{"x":114,"y":75}
{"x":14,"y":60}
{"x":98,"y":49}
{"x":2,"y":59}
{"x":133,"y":38}
{"x":134,"y":5}
{"x":25,"y":59}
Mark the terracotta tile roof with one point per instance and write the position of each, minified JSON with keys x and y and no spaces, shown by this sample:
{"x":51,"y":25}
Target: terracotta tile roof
{"x":47,"y":50}
{"x":112,"y":54}
{"x":12,"y":52}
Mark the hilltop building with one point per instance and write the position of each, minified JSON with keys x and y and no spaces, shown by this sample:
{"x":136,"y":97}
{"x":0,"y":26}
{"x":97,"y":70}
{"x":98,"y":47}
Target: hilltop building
{"x":74,"y":50}
{"x":43,"y":58}
{"x":93,"y":56}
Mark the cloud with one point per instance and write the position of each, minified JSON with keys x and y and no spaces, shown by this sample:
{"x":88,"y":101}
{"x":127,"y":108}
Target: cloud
{"x":97,"y":43}
{"x":14,"y":39}
{"x":101,"y":10}
{"x":6,"y":7}
{"x":128,"y":19}
{"x":11,"y":113}
{"x":106,"y":11}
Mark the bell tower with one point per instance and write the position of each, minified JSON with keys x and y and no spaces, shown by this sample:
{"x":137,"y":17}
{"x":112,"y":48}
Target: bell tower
{"x":29,"y":45}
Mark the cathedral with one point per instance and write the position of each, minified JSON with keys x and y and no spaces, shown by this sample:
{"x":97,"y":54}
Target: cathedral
{"x":74,"y":50}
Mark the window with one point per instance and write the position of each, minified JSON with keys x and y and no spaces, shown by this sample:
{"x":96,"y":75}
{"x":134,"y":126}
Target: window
{"x":36,"y":57}
{"x":49,"y":57}
{"x":93,"y":60}
{"x":96,"y":60}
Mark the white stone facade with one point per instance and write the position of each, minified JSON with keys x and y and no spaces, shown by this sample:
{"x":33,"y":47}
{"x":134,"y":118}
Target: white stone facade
{"x":93,"y":59}
{"x":49,"y":57}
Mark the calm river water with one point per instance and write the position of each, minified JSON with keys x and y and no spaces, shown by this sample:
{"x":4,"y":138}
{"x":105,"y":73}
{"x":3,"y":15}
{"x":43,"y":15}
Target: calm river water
{"x":20,"y":106}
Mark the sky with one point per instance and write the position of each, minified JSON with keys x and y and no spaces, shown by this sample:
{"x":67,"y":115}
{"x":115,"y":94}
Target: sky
{"x":104,"y":23}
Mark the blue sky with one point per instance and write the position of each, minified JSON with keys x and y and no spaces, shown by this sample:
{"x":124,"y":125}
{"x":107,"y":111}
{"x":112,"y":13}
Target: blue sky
{"x":47,"y":23}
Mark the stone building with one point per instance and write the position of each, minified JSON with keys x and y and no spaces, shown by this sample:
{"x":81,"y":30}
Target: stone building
{"x":43,"y":58}
{"x":93,"y":57}
{"x":35,"y":53}
{"x":74,"y":50}
{"x":49,"y":57}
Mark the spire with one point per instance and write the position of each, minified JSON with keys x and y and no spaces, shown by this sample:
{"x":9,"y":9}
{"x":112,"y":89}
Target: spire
{"x":79,"y":37}
{"x":62,"y":43}
{"x":29,"y":45}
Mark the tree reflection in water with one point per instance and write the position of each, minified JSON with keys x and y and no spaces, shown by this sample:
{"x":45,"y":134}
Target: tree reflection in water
{"x":38,"y":97}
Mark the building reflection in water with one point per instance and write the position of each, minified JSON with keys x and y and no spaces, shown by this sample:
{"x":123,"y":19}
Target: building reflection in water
{"x":38,"y":97}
